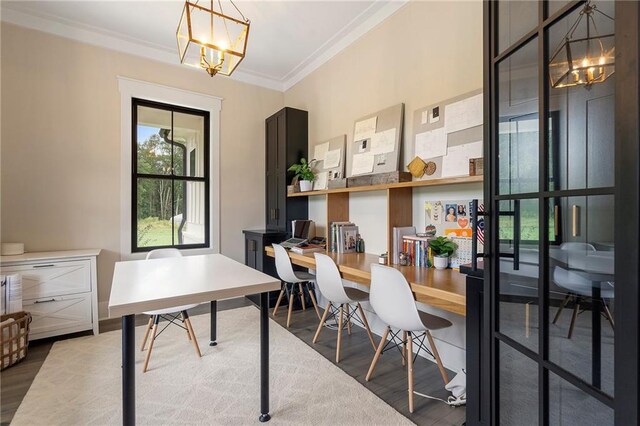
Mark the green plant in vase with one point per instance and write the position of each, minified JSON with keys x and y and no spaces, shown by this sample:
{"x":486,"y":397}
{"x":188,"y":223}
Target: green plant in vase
{"x":442,"y":248}
{"x":304,"y":173}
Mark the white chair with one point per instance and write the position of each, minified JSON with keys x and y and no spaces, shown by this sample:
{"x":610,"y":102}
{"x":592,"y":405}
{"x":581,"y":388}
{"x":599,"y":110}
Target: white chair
{"x":292,"y":279}
{"x":170,"y":314}
{"x":392,"y":299}
{"x":580,"y":287}
{"x":340,"y":299}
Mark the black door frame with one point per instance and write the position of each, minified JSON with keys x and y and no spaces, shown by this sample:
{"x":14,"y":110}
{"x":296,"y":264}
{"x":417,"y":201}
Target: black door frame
{"x":627,"y":238}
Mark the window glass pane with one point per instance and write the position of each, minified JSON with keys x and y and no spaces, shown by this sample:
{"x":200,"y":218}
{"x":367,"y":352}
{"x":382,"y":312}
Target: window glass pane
{"x":515,"y":19}
{"x":518,"y":122}
{"x":518,"y":280}
{"x":583,"y":141}
{"x":188,"y":144}
{"x":153,"y":152}
{"x":582,"y":289}
{"x":189,"y":208}
{"x":518,"y":387}
{"x":154,"y":213}
{"x":568,"y":405}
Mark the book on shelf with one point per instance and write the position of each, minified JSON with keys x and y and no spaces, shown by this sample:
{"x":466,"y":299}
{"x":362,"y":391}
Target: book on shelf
{"x":343,"y":237}
{"x":309,"y":248}
{"x":418,"y":250}
{"x":398,"y":234}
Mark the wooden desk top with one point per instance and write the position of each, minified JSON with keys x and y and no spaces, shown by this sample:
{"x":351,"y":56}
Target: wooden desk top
{"x":444,"y":289}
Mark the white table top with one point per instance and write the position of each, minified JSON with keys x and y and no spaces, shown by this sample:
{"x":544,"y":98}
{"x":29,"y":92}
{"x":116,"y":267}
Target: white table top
{"x":147,"y":285}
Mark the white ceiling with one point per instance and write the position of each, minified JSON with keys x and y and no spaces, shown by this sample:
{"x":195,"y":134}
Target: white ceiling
{"x":287,"y":41}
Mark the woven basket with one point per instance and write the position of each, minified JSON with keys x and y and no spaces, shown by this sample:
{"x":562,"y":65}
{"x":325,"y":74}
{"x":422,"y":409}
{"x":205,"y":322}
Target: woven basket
{"x":14,"y":338}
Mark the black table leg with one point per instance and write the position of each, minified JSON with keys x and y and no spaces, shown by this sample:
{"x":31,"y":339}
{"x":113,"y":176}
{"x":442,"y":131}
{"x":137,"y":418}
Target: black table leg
{"x":128,"y":371}
{"x":596,"y":308}
{"x":264,"y":357}
{"x":214,"y":320}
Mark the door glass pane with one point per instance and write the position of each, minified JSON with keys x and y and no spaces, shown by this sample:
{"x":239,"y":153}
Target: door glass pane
{"x":582,"y":142}
{"x":518,"y":387}
{"x":518,"y":122}
{"x":519,"y":263}
{"x":568,"y":405}
{"x":555,"y":5}
{"x":153,"y":152}
{"x":188,"y":144}
{"x":154,"y":212}
{"x":515,"y":19}
{"x":189,"y":216}
{"x":582,"y":288}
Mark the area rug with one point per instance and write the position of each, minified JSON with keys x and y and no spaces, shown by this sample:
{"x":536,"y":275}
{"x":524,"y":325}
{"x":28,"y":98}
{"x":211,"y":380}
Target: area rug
{"x":80,"y":381}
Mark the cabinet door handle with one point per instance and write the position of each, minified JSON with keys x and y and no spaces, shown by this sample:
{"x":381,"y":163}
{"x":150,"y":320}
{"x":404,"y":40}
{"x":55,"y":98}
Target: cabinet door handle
{"x":45,"y":301}
{"x":575,"y":220}
{"x":44,"y":266}
{"x":252,"y":245}
{"x":277,"y":214}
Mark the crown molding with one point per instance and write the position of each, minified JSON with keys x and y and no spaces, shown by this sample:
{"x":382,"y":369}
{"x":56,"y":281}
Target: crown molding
{"x":342,"y":40}
{"x":114,"y":41}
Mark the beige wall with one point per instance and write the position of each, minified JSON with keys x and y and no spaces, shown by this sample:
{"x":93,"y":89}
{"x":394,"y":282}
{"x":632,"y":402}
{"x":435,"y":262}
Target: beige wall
{"x":428,"y":51}
{"x":61,"y":145}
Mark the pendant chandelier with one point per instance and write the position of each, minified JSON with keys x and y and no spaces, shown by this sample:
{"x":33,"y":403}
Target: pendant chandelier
{"x":583,"y":60}
{"x":210,"y":39}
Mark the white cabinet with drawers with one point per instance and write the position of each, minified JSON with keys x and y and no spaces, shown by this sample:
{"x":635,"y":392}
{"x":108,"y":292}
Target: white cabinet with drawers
{"x":59,"y":289}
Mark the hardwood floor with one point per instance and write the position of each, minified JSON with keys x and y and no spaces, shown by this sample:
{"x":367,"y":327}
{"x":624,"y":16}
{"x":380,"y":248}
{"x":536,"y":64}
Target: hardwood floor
{"x":389,"y":381}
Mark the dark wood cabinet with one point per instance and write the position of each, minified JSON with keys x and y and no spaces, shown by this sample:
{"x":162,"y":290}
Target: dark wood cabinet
{"x":254,"y":256}
{"x":287,"y":143}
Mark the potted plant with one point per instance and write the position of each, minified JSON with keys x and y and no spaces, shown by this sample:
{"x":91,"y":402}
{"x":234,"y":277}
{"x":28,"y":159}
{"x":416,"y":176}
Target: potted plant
{"x":442,"y":248}
{"x":304,"y":173}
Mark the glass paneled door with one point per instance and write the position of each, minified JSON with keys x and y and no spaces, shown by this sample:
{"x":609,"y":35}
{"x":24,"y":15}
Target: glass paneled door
{"x":558,"y":308}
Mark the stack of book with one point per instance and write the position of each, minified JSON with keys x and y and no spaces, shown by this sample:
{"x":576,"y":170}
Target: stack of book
{"x":417,"y":249}
{"x":343,"y":237}
{"x":308,"y":248}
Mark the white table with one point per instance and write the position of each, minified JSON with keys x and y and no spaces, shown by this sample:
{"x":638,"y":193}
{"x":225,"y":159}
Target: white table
{"x":146,"y":285}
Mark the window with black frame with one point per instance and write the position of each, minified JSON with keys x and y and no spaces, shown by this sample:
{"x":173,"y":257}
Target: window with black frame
{"x":170,"y":177}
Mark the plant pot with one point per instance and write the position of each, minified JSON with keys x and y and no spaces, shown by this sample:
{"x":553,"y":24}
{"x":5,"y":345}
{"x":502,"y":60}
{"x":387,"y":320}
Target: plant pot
{"x":306,"y":185}
{"x":441,"y":262}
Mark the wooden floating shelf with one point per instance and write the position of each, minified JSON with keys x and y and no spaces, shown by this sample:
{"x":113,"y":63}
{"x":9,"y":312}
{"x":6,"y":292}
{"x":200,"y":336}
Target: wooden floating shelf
{"x":412,"y":184}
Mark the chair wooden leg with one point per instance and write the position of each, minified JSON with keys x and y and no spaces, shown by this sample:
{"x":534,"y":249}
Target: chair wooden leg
{"x":366,"y":326}
{"x":187,"y":321}
{"x":340,"y":325}
{"x":443,"y":372}
{"x":275,"y":308}
{"x":348,"y":308}
{"x":146,"y":333}
{"x":290,"y":307}
{"x":404,"y":348}
{"x":304,"y":306}
{"x":576,"y":310}
{"x":184,"y":318}
{"x":374,"y":362}
{"x":313,"y":301}
{"x":562,"y":306}
{"x":156,"y":320}
{"x":607,"y":312}
{"x":409,"y":354}
{"x":322,"y":320}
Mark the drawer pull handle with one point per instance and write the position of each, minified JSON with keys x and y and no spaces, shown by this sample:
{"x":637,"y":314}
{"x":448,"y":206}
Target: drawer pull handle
{"x":45,"y":301}
{"x":44,"y":266}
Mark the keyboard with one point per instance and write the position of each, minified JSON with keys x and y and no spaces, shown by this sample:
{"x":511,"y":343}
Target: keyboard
{"x":293,"y":242}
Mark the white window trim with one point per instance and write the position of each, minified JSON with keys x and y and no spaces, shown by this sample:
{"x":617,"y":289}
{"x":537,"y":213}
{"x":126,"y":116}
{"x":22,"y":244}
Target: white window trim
{"x":129,"y":89}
